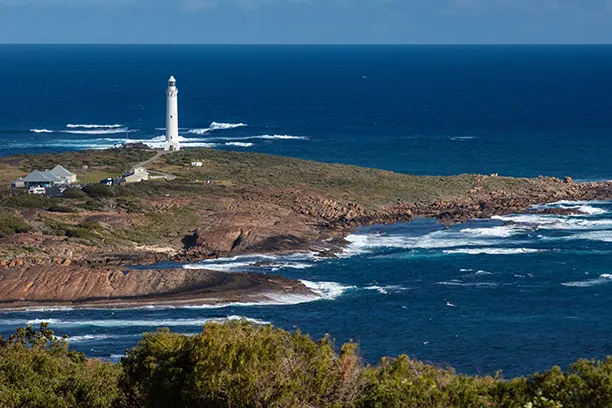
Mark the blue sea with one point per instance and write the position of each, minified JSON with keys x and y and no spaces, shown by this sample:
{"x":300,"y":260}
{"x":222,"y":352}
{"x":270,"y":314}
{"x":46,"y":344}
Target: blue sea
{"x":518,"y":293}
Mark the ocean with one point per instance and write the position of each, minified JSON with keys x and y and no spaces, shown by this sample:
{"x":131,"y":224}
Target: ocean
{"x":518,"y":293}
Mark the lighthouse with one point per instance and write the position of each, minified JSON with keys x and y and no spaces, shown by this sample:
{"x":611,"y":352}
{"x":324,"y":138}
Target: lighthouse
{"x":172,"y":135}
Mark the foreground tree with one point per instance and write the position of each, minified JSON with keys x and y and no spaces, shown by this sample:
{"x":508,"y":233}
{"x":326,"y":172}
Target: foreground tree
{"x":38,"y":370}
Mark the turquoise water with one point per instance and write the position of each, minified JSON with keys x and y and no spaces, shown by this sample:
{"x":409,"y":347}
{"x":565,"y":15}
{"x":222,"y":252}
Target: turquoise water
{"x":519,"y":293}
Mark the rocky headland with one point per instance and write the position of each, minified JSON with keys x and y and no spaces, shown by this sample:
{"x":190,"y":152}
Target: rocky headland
{"x":71,"y":250}
{"x":120,"y":287}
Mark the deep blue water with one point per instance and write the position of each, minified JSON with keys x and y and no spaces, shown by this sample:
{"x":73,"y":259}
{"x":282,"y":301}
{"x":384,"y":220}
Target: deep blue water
{"x":480,"y":296}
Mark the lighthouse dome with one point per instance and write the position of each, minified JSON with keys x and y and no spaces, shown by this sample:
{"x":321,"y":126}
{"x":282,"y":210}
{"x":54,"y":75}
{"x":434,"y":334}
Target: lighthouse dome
{"x":172,"y":81}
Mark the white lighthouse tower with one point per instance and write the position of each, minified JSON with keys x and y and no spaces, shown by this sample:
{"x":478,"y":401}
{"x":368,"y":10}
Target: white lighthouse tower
{"x":172,"y":135}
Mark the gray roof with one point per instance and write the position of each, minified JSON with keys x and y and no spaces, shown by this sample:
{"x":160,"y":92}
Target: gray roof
{"x":38,"y":177}
{"x":52,"y":176}
{"x":60,"y":171}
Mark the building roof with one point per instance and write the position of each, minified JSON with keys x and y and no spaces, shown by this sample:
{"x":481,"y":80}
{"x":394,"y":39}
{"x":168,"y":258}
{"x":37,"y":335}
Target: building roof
{"x":37,"y":177}
{"x":52,"y":176}
{"x":60,"y":171}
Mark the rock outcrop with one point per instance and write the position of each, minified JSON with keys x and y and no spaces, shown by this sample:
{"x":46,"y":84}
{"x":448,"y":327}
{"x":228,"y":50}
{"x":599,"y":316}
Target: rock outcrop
{"x":76,"y":286}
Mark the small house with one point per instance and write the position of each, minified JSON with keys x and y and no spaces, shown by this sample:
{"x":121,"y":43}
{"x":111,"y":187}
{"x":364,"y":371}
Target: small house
{"x":196,"y":164}
{"x":136,"y":175}
{"x":58,"y":176}
{"x":67,"y":177}
{"x":36,"y":178}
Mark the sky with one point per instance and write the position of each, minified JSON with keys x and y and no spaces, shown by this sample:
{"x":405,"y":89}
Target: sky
{"x":307,"y":21}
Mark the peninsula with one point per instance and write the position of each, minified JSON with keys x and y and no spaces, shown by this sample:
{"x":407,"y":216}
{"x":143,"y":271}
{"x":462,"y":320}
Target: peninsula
{"x":78,"y":249}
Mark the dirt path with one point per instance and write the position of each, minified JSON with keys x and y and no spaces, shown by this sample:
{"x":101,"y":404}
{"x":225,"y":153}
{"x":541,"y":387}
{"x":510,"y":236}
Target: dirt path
{"x":159,"y":154}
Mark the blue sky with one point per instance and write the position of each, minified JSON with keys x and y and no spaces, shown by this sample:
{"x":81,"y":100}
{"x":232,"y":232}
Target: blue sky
{"x":306,"y":21}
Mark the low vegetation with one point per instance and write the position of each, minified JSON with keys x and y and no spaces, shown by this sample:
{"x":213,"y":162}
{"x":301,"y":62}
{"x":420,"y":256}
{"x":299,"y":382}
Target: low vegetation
{"x":240,"y":365}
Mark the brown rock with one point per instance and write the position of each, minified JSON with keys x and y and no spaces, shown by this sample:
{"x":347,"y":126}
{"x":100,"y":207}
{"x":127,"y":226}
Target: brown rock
{"x":117,"y":287}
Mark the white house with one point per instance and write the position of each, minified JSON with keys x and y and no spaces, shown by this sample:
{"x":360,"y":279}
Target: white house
{"x":136,"y":175}
{"x":68,"y":177}
{"x":196,"y":164}
{"x":58,"y":176}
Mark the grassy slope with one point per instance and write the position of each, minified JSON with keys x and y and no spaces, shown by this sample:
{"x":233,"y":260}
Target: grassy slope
{"x":162,"y":212}
{"x":371,"y":187}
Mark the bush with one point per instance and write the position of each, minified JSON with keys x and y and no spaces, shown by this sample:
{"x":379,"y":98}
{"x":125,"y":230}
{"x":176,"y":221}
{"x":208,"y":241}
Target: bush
{"x":30,"y":201}
{"x":239,"y":365}
{"x":38,"y":371}
{"x":73,"y":192}
{"x":98,"y":190}
{"x":12,"y":224}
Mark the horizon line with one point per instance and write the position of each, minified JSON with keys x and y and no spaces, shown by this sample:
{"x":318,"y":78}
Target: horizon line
{"x":313,"y":44}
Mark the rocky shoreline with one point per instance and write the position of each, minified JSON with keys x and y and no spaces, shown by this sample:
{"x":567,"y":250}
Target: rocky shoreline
{"x":116,"y":287}
{"x":75,"y":250}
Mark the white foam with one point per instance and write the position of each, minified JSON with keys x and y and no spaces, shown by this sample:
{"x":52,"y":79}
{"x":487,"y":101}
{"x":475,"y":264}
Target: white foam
{"x":224,"y":126}
{"x":72,"y":126}
{"x":481,"y":273}
{"x":246,"y":262}
{"x":463,"y":138}
{"x":327,"y":290}
{"x":548,"y":222}
{"x":456,"y":282}
{"x":222,"y":266}
{"x":239,"y":144}
{"x":41,"y":131}
{"x":110,"y":131}
{"x":140,"y":323}
{"x":364,"y":243}
{"x":282,"y":137}
{"x":198,"y":131}
{"x":90,"y":338}
{"x":493,"y":251}
{"x":602,"y":236}
{"x":603,"y":279}
{"x":384,"y":290}
{"x":503,"y":231}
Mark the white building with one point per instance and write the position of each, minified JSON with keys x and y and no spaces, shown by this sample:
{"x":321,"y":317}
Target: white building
{"x":136,"y":175}
{"x":58,"y":176}
{"x":172,"y":135}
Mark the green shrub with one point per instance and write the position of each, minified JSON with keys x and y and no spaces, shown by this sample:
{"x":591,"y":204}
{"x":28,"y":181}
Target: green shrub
{"x":22,"y":201}
{"x":240,"y":365}
{"x":98,"y":190}
{"x":12,"y":224}
{"x":72,"y":192}
{"x":38,"y":371}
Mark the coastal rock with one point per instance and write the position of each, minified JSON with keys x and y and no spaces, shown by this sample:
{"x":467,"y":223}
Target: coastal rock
{"x":120,"y":287}
{"x":228,"y":233}
{"x":559,"y":211}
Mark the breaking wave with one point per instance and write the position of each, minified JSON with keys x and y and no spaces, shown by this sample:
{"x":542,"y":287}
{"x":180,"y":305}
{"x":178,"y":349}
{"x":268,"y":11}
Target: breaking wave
{"x":90,"y":338}
{"x":282,"y":137}
{"x":110,"y":131}
{"x":223,"y":126}
{"x":239,"y":144}
{"x":198,"y":131}
{"x":384,"y":290}
{"x":601,"y":280}
{"x":364,"y":243}
{"x":72,"y":126}
{"x":457,"y":282}
{"x":459,"y":138}
{"x":602,"y":236}
{"x":41,"y":131}
{"x":140,"y":323}
{"x":494,"y":251}
{"x":548,"y":222}
{"x":327,"y":290}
